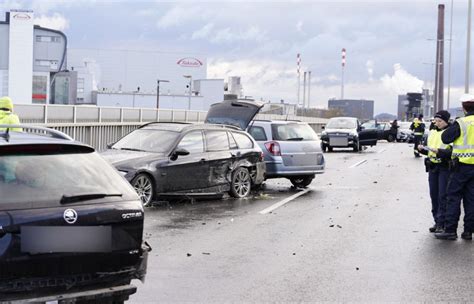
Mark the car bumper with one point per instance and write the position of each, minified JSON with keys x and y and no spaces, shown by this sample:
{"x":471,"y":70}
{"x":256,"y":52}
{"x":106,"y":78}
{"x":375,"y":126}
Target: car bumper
{"x":278,"y":169}
{"x":350,"y":141}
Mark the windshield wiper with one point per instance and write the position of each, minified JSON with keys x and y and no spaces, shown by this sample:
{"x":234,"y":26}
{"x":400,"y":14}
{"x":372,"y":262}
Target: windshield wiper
{"x":65,"y":199}
{"x":132,"y":149}
{"x":296,"y":138}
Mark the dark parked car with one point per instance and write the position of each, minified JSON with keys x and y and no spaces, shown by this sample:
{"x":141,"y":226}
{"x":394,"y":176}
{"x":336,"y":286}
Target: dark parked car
{"x":382,"y":129}
{"x":203,"y":160}
{"x":346,"y":132}
{"x":71,"y":228}
{"x":292,"y":150}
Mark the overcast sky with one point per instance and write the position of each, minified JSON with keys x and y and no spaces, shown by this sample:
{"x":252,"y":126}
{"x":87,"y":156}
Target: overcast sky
{"x":388,"y":51}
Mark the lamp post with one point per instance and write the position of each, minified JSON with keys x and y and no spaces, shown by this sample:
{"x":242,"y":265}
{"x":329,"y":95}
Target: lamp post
{"x":158,"y":91}
{"x":190,"y":89}
{"x":468,"y":48}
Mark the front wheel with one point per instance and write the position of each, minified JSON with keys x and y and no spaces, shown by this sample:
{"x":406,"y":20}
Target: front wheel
{"x":301,"y":181}
{"x":241,"y":183}
{"x":391,"y":138}
{"x":143,"y":185}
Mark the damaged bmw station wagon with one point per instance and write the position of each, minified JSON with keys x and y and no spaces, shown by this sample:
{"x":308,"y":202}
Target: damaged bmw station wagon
{"x":166,"y":160}
{"x":71,"y":228}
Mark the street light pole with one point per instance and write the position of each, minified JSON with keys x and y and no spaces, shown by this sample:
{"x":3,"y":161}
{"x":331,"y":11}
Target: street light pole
{"x":468,"y":48}
{"x":450,"y":47}
{"x":158,"y":91}
{"x":190,"y":90}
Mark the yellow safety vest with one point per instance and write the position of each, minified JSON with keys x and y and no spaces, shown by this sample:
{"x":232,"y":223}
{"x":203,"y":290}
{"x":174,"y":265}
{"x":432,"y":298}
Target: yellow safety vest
{"x":463,"y":146}
{"x":8,"y":118}
{"x":435,"y":142}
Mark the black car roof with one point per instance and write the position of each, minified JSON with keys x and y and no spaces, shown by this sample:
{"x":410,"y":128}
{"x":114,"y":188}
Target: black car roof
{"x":40,"y":136}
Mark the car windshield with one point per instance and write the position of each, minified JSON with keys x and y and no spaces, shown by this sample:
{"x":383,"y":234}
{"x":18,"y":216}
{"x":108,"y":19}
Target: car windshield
{"x":40,"y":180}
{"x":149,"y":140}
{"x":341,"y":123}
{"x":296,"y":132}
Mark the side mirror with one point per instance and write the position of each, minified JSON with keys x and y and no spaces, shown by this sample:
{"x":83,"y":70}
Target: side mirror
{"x":361,"y":128}
{"x":178,"y":152}
{"x":109,"y":145}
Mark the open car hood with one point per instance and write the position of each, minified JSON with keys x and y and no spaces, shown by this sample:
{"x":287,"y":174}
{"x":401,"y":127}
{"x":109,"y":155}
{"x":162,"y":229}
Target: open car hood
{"x":233,"y":112}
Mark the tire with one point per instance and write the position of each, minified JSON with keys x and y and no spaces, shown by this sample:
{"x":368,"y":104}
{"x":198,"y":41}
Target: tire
{"x":390,"y":138}
{"x":143,"y":185}
{"x":241,"y":183}
{"x":301,"y":181}
{"x":356,"y":147}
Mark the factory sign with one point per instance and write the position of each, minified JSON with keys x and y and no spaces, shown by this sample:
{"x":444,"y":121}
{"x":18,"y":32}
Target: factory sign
{"x":190,"y":62}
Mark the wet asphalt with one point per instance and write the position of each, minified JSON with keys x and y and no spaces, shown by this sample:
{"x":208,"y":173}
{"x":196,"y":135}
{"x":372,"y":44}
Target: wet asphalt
{"x":360,"y":234}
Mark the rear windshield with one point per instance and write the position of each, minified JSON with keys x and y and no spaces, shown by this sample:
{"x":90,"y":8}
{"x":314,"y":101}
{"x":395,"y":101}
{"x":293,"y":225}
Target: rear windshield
{"x":296,"y":132}
{"x":39,"y":180}
{"x":341,"y":123}
{"x":148,"y":140}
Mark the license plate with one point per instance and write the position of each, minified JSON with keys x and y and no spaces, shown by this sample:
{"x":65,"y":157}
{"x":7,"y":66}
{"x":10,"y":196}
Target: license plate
{"x":51,"y":239}
{"x":338,"y":141}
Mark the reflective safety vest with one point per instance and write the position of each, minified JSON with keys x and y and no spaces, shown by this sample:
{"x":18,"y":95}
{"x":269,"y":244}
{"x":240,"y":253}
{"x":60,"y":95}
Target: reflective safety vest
{"x":463,"y":146}
{"x":435,"y":142}
{"x":8,"y":118}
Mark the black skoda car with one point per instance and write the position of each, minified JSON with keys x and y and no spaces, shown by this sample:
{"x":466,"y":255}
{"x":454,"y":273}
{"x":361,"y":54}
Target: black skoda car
{"x":70,"y":226}
{"x":202,"y":160}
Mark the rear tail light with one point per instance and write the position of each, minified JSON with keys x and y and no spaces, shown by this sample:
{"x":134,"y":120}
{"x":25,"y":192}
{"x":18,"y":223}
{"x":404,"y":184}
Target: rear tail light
{"x":273,"y":147}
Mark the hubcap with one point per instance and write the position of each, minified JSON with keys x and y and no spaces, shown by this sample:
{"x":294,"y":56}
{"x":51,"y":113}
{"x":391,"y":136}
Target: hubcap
{"x":242,"y":183}
{"x":143,"y":187}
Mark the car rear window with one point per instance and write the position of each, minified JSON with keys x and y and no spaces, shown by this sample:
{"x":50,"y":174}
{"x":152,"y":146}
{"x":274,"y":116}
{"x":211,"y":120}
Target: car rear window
{"x":258,"y":133}
{"x":293,"y":132}
{"x":217,"y":141}
{"x":31,"y":179}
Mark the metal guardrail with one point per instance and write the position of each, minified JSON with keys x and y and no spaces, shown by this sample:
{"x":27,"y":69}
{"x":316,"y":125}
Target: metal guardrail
{"x":98,"y":126}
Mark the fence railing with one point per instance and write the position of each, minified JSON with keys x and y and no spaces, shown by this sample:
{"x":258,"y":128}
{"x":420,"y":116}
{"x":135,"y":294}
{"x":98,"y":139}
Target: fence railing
{"x":98,"y":126}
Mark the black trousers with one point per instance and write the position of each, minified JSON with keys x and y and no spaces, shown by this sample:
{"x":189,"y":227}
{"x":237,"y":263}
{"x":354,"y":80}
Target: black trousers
{"x":438,"y":181}
{"x":460,"y":187}
{"x":417,"y":140}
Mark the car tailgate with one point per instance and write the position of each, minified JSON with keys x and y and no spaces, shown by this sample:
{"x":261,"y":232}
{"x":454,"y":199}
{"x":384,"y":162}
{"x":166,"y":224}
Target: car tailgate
{"x":300,"y":153}
{"x":69,"y":245}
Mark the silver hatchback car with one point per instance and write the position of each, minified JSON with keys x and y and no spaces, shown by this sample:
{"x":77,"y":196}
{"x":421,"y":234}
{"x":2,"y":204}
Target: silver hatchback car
{"x":291,"y":150}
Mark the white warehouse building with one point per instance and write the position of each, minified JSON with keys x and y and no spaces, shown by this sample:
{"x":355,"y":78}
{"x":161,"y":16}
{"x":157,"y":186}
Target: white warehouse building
{"x":125,"y":78}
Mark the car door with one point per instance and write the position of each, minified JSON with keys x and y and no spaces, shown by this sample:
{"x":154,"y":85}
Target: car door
{"x":188,"y":172}
{"x":219,"y":155}
{"x":367,"y":137}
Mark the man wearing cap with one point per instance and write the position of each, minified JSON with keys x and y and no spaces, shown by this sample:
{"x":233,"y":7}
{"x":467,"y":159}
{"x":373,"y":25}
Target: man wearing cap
{"x":461,"y":180}
{"x":6,"y":114}
{"x":437,"y":166}
{"x":418,"y":128}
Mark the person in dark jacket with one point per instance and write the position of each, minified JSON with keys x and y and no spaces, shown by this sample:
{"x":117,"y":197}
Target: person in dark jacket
{"x":437,"y":166}
{"x":418,"y":128}
{"x":394,"y":129}
{"x":461,"y":180}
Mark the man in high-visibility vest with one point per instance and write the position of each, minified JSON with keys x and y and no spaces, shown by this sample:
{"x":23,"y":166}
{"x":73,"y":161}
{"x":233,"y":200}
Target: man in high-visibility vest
{"x":6,"y":114}
{"x":461,"y":181}
{"x":437,"y":166}
{"x":418,"y":128}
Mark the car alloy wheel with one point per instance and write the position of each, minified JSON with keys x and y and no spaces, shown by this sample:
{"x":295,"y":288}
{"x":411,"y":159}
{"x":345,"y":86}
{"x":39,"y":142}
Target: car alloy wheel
{"x":241,"y":183}
{"x":144,"y":187}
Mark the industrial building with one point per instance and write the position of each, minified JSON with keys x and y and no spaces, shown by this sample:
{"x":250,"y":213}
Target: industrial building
{"x":125,"y":78}
{"x":410,"y":105}
{"x":360,"y":108}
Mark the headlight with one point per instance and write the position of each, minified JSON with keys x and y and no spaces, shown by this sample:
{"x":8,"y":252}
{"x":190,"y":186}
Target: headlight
{"x":123,"y":173}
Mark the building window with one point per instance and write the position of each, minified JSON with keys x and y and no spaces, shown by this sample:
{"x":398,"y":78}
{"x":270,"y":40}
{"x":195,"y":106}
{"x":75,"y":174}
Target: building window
{"x":52,"y":64}
{"x":80,"y":89}
{"x":41,"y":38}
{"x":40,"y":88}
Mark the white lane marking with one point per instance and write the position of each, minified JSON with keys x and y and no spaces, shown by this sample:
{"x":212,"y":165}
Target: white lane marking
{"x":358,"y":164}
{"x":285,"y":201}
{"x":382,"y":150}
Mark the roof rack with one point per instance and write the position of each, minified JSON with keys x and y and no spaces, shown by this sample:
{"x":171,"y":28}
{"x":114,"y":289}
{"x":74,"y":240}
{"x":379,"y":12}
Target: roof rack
{"x":36,"y":130}
{"x":164,"y":122}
